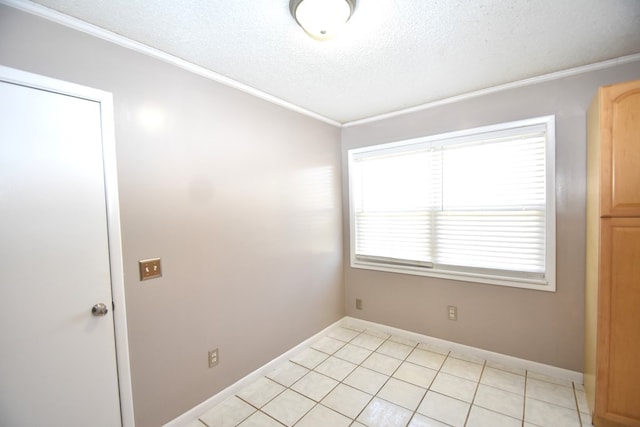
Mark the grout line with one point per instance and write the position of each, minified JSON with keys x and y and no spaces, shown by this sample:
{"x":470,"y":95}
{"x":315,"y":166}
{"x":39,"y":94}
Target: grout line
{"x":475,"y":392}
{"x":524,"y":397}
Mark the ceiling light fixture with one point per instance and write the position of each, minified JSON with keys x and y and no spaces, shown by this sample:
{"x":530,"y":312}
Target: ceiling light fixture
{"x":321,"y":19}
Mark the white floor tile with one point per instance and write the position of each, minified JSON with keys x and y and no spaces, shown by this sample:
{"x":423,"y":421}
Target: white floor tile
{"x":462,"y":368}
{"x":503,"y":380}
{"x":422,"y":421}
{"x":366,"y":380}
{"x":455,"y":387}
{"x":259,"y":419}
{"x":547,"y":414}
{"x":543,"y":377}
{"x":328,"y":345}
{"x":402,"y":340}
{"x":287,"y":373}
{"x":260,"y":392}
{"x":434,"y":348}
{"x":347,"y":400}
{"x":444,"y":409}
{"x":550,"y":392}
{"x":402,"y":393}
{"x":506,"y":368}
{"x":381,"y":363}
{"x":480,"y":417}
{"x":428,"y":359}
{"x":380,"y":413}
{"x":367,"y":341}
{"x":353,"y":353}
{"x":321,"y":416}
{"x":227,"y":414}
{"x":394,"y":349}
{"x":343,"y":334}
{"x":499,"y":400}
{"x":194,"y":423}
{"x":288,"y":407}
{"x":335,"y":368}
{"x":315,"y":386}
{"x":581,"y":397}
{"x":415,"y":374}
{"x":309,"y":358}
{"x":377,"y":333}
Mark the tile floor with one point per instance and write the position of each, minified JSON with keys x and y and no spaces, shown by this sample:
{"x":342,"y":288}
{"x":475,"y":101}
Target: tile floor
{"x":355,"y":377}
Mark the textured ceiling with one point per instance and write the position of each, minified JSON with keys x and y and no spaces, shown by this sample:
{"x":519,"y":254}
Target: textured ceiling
{"x":392,"y":54}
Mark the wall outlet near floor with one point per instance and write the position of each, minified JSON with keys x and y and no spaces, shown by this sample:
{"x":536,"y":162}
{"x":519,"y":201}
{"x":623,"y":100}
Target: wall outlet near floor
{"x":213,"y":358}
{"x":453,"y":312}
{"x":358,"y":304}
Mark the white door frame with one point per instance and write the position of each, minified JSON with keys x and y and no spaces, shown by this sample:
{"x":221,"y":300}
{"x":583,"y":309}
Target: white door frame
{"x":105,"y":99}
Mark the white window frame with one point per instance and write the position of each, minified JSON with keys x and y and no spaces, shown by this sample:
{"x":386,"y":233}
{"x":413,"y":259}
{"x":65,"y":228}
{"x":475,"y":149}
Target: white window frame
{"x":548,"y":283}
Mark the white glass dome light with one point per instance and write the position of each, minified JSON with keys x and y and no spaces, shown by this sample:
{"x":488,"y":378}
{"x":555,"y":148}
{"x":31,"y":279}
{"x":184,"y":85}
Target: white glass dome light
{"x":321,"y":19}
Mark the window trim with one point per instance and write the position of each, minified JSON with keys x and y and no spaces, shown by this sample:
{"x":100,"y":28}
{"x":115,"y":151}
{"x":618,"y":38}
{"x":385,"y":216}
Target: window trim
{"x":548,"y":283}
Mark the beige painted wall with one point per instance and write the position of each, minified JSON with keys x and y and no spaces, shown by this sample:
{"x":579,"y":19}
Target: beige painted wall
{"x":534,"y":325}
{"x":240,"y":198}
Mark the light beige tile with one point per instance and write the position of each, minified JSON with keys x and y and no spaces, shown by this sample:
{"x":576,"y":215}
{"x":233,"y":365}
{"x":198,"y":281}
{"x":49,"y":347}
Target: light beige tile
{"x":428,"y":359}
{"x":547,"y":414}
{"x":504,"y":380}
{"x":402,"y":340}
{"x":352,"y":353}
{"x":583,"y":405}
{"x":455,"y":387}
{"x":384,"y":364}
{"x":321,"y":416}
{"x":377,"y":333}
{"x":366,"y":380}
{"x":287,"y":373}
{"x":346,"y":400}
{"x":343,"y":334}
{"x":367,"y":341}
{"x":542,"y":377}
{"x":309,"y":358}
{"x":444,"y":409}
{"x":434,"y":348}
{"x":380,"y":413}
{"x":335,"y":368}
{"x":394,"y":349}
{"x":419,"y":420}
{"x":507,"y":368}
{"x":259,"y":419}
{"x":229,"y":413}
{"x":328,"y":345}
{"x":415,"y":374}
{"x":552,"y":393}
{"x":501,"y":401}
{"x":462,"y":368}
{"x":260,"y":392}
{"x":315,"y":386}
{"x":468,"y":357}
{"x":481,"y":417}
{"x":195,"y":423}
{"x":288,"y":407}
{"x":402,"y":393}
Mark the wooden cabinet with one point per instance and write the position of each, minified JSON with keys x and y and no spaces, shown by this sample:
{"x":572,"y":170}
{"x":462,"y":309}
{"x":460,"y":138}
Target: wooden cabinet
{"x":612,"y":310}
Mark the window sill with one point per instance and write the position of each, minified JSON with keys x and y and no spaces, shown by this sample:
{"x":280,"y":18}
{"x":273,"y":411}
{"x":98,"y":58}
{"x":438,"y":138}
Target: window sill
{"x":538,"y":285}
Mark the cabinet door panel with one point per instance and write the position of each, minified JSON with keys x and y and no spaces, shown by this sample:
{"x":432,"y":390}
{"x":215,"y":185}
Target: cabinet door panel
{"x":618,"y":374}
{"x":621,"y":149}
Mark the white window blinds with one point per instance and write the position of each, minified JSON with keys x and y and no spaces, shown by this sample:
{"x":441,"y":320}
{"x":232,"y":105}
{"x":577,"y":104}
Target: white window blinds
{"x":476,"y":203}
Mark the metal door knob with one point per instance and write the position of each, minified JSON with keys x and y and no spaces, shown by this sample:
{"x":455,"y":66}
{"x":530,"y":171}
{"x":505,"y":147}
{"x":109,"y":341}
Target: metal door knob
{"x":99,"y":309}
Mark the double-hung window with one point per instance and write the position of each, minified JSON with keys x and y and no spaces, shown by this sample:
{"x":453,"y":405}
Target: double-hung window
{"x":475,"y":205}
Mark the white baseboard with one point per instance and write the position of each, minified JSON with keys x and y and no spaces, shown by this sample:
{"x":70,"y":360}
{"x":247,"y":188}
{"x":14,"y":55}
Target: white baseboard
{"x":471,"y":352}
{"x":353,"y":323}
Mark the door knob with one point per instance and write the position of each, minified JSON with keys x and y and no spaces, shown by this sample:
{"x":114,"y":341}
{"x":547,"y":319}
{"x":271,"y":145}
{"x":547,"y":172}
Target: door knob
{"x":99,"y":309}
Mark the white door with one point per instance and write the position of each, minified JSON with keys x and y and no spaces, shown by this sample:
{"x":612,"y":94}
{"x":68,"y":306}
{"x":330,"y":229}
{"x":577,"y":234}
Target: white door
{"x":57,"y":359}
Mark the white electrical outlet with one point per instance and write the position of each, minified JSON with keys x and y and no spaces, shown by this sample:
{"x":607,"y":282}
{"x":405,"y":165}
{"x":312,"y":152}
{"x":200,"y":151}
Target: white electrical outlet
{"x":213,"y":358}
{"x":453,"y":312}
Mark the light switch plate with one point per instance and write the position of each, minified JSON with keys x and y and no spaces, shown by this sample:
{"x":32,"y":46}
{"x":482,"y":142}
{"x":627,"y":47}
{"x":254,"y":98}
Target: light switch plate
{"x":150,"y":268}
